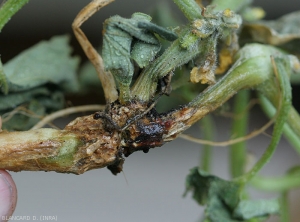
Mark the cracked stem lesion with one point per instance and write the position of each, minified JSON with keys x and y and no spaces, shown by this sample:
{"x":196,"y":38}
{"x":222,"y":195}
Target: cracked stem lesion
{"x":106,"y":78}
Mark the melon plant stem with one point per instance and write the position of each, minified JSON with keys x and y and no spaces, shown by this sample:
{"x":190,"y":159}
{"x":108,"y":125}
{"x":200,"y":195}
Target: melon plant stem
{"x":284,"y":106}
{"x":8,"y":9}
{"x":207,"y":124}
{"x":239,"y":129}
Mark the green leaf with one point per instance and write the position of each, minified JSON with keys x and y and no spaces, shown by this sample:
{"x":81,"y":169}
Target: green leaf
{"x":46,"y":62}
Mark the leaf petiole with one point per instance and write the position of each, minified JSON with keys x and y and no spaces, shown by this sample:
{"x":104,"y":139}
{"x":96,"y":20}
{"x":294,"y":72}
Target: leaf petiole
{"x":281,"y":71}
{"x":239,"y":128}
{"x":8,"y":9}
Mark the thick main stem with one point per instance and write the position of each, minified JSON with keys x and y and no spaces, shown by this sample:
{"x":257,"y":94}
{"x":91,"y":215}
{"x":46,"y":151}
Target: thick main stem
{"x":82,"y":146}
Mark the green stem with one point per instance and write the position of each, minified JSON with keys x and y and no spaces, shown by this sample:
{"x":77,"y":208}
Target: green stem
{"x":124,"y":93}
{"x":175,"y":56}
{"x":239,"y":129}
{"x":8,"y":9}
{"x":242,"y":76}
{"x":207,"y":124}
{"x":283,"y":110}
{"x":276,"y":184}
{"x":291,"y":128}
{"x":190,"y":9}
{"x":3,"y":81}
{"x":284,"y":207}
{"x":252,"y":68}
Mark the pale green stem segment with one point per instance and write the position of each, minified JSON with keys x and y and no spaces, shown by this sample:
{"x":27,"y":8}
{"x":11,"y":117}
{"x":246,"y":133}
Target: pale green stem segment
{"x":8,"y":9}
{"x":282,"y":70}
{"x":190,"y":9}
{"x":124,"y":93}
{"x":208,"y":130}
{"x":284,"y":207}
{"x":276,"y":184}
{"x":291,"y":129}
{"x":239,"y":129}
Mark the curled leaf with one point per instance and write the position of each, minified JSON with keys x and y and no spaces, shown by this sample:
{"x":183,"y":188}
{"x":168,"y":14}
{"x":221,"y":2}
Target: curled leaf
{"x":126,"y":39}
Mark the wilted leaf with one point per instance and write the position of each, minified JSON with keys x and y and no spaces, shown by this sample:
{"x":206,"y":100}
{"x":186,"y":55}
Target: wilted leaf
{"x":248,"y":209}
{"x":222,"y":199}
{"x":46,"y":62}
{"x":34,"y":111}
{"x":13,"y":100}
{"x":35,"y":104}
{"x":275,"y":32}
{"x":36,"y":79}
{"x":220,"y":196}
